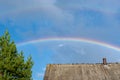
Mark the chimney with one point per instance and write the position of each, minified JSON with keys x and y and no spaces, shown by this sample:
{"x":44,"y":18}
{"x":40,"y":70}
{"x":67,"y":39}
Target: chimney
{"x":104,"y":61}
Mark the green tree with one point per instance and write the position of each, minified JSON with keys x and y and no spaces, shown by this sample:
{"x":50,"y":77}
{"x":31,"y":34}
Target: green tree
{"x":13,"y":66}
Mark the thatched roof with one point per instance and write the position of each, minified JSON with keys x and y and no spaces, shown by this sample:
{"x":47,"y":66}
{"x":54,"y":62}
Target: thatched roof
{"x":82,"y":72}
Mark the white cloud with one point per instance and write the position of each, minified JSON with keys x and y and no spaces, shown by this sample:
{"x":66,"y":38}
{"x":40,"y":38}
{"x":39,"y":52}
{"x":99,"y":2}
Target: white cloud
{"x":118,"y":60}
{"x":99,"y":27}
{"x":82,"y":51}
{"x":40,"y":75}
{"x":44,"y":69}
{"x":60,"y":45}
{"x":105,"y":6}
{"x":47,"y":7}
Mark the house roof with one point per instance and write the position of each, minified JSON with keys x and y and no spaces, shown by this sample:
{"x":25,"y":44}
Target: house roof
{"x":82,"y":72}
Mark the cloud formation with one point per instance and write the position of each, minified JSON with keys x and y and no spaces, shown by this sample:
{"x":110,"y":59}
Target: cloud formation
{"x":107,"y":6}
{"x":36,"y":19}
{"x":97,"y":20}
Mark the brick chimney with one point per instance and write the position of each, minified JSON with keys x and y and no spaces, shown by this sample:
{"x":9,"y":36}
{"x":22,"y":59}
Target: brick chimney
{"x":104,"y":61}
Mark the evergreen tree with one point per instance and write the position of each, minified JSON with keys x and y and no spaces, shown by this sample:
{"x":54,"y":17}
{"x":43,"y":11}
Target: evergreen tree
{"x":12,"y":64}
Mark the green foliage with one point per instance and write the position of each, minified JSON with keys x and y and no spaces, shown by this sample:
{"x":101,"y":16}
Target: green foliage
{"x":12,"y":64}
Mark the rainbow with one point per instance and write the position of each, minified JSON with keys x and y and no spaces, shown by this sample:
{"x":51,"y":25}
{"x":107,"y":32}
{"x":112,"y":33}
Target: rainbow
{"x":71,"y":39}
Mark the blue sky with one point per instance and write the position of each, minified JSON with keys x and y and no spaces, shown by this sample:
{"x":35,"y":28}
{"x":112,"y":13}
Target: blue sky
{"x":29,"y":20}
